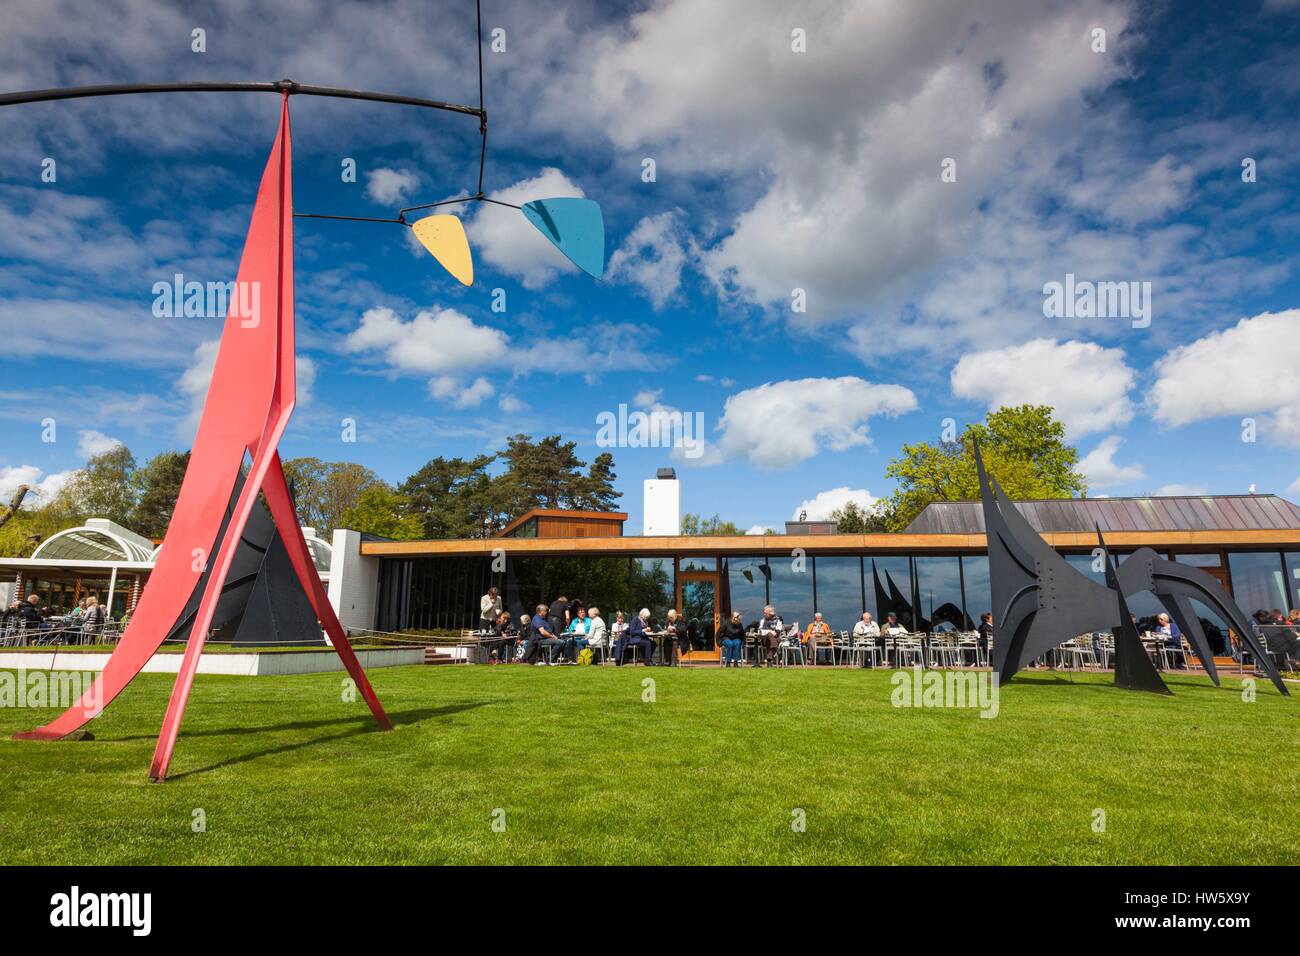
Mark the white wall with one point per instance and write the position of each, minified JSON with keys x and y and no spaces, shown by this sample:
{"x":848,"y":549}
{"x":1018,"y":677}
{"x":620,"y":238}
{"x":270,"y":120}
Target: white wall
{"x":354,"y":581}
{"x":662,"y":507}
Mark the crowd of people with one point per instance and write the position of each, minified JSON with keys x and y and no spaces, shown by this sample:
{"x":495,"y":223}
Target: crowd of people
{"x":560,"y":633}
{"x":86,"y":619}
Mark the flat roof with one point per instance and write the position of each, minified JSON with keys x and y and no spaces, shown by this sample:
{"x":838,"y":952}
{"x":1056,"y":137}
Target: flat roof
{"x":893,"y":543}
{"x":1141,"y":514}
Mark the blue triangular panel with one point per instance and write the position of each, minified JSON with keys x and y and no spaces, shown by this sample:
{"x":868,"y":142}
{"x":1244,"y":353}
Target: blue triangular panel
{"x":575,"y":226}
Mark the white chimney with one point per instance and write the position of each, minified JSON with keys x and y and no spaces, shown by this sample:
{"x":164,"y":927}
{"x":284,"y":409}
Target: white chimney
{"x":662,"y":505}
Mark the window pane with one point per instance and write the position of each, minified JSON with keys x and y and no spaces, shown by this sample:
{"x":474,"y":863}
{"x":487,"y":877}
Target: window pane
{"x":1200,"y":560}
{"x":525,"y":585}
{"x":652,"y":587}
{"x":938,"y":582}
{"x":893,"y":575}
{"x":1257,"y":581}
{"x":607,"y":586}
{"x":744,"y":582}
{"x":1292,"y":581}
{"x":839,"y":591}
{"x":698,"y":564}
{"x":979,"y":592}
{"x":567,"y":577}
{"x":791,"y":591}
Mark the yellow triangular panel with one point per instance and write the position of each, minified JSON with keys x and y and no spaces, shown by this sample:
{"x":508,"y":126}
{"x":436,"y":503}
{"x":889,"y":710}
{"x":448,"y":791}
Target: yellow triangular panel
{"x":444,"y":237}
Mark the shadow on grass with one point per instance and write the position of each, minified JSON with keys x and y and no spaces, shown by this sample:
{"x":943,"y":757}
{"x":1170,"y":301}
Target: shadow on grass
{"x":367,"y":726}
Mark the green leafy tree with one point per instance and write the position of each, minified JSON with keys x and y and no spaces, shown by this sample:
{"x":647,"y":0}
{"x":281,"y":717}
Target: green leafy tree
{"x":455,"y":497}
{"x":694,"y":525}
{"x":105,"y":488}
{"x":1023,"y":446}
{"x":157,"y":486}
{"x":382,"y":510}
{"x":852,"y":518}
{"x":598,"y":492}
{"x":325,"y":490}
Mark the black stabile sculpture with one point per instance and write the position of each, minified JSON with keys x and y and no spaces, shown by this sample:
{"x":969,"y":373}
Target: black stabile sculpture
{"x":261,"y":601}
{"x":1039,"y":600}
{"x":1133,"y":667}
{"x":1176,"y":585}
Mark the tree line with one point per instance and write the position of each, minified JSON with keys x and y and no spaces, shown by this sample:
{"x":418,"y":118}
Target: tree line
{"x":446,"y":498}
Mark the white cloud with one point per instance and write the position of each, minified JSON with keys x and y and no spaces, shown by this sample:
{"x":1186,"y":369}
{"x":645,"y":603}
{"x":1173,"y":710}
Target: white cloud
{"x":503,"y":238}
{"x":193,"y":383}
{"x":760,"y":529}
{"x":1248,"y":369}
{"x":1101,"y":469}
{"x":390,"y":187}
{"x":511,"y":404}
{"x":435,"y":342}
{"x":647,"y":397}
{"x":1086,"y":384}
{"x":462,"y":396}
{"x":91,"y":443}
{"x":783,"y":423}
{"x":820,"y":506}
{"x":41,"y":488}
{"x":652,"y":257}
{"x":1184,"y":490}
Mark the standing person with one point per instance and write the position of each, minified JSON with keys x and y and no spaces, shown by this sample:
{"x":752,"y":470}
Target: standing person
{"x":558,"y":616}
{"x":986,"y":633}
{"x":489,"y":610}
{"x":733,"y":640}
{"x":94,"y":621}
{"x":770,"y":631}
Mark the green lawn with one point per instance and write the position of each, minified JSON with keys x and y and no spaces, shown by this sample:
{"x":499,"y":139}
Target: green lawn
{"x":711,"y":772}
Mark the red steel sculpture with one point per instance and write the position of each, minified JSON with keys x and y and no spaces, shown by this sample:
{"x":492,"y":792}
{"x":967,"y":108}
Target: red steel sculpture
{"x":249,"y":403}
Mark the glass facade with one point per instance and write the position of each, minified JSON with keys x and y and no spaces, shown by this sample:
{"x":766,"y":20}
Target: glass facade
{"x":1258,"y":580}
{"x":975,"y":581}
{"x":744,"y":586}
{"x":790,"y":589}
{"x":839,"y":590}
{"x":925,"y":591}
{"x":938,"y":585}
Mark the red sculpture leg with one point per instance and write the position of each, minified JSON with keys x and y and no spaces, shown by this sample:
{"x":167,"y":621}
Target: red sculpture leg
{"x":276,"y":492}
{"x":239,"y":397}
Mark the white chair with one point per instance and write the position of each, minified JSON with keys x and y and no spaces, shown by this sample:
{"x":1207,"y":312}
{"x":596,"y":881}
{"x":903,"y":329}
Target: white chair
{"x":910,"y":649}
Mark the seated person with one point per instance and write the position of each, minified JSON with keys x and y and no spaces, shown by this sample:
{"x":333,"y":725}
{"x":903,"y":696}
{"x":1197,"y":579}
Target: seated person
{"x":597,"y":636}
{"x":818,"y":633}
{"x":732,"y":635}
{"x":541,"y":637}
{"x":676,"y":634}
{"x":635,"y":636}
{"x":619,"y":625}
{"x":576,"y":636}
{"x":770,"y":631}
{"x":1168,"y":634}
{"x":892,"y":627}
{"x":503,"y":636}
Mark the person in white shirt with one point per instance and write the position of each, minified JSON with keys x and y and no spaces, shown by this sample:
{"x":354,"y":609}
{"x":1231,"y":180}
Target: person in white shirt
{"x":868,"y":631}
{"x":489,"y":609}
{"x":597,"y":636}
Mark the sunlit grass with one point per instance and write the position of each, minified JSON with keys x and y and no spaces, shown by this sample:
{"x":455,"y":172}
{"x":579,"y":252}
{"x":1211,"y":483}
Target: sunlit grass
{"x":713,"y":770}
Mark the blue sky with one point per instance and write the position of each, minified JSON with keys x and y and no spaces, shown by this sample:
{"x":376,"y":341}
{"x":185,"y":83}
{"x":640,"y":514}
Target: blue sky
{"x":775,"y":170}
